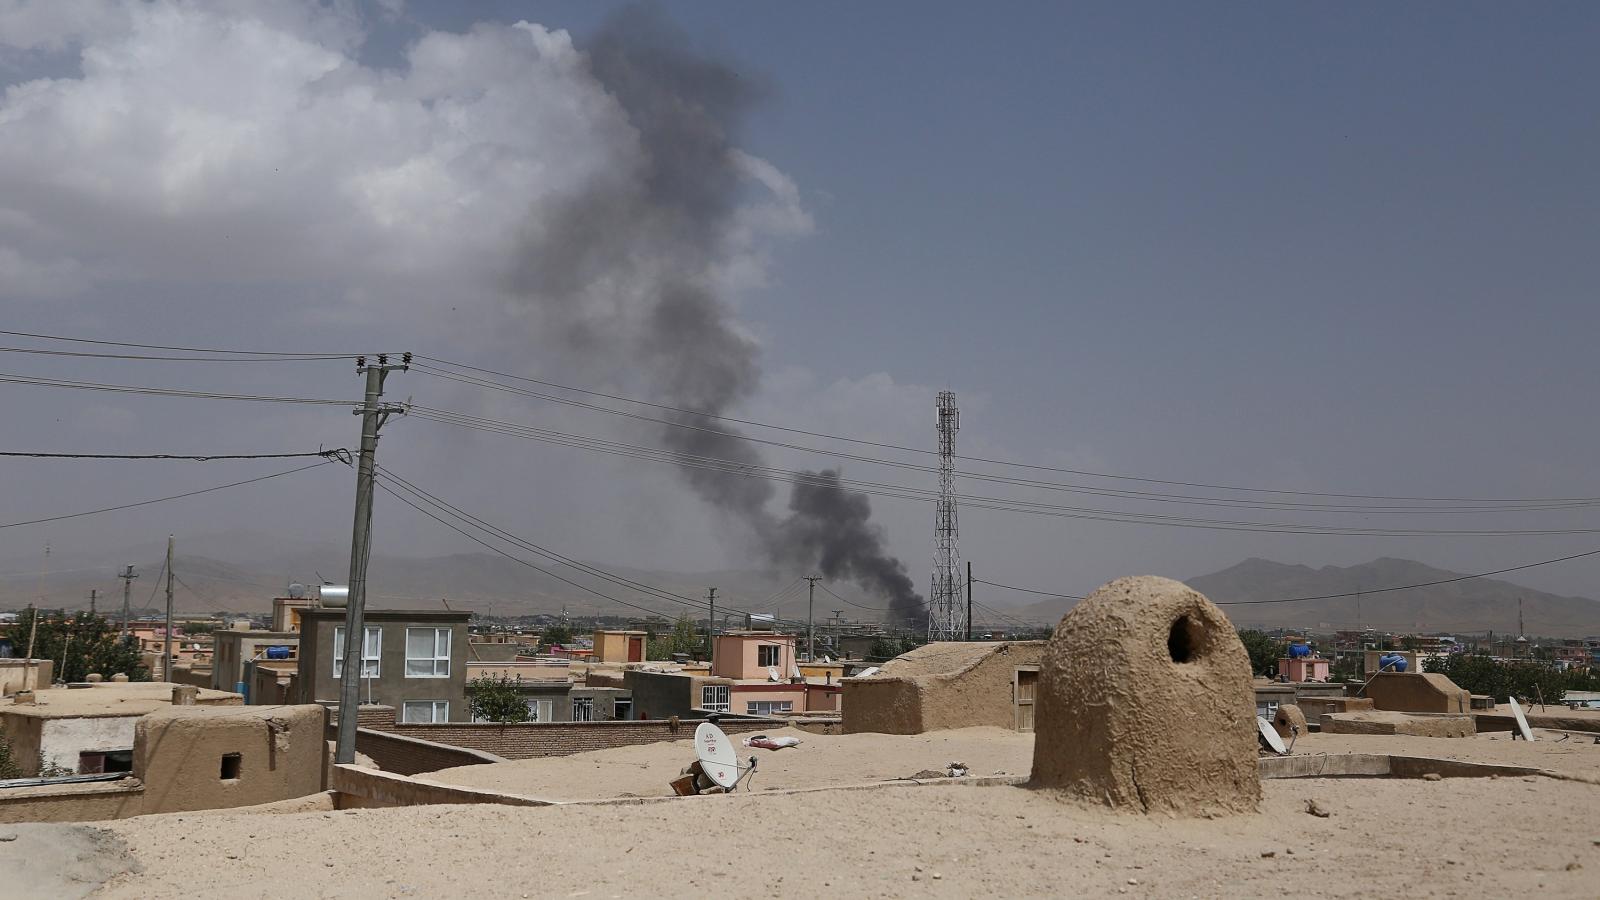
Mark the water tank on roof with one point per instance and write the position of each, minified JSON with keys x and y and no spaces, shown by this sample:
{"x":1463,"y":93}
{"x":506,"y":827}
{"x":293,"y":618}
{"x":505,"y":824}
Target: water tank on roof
{"x":1392,"y":662}
{"x":1299,"y":651}
{"x":335,"y":594}
{"x":277,"y":653}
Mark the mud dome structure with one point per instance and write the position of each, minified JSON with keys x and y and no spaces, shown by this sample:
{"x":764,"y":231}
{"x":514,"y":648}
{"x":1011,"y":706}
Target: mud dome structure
{"x":1145,"y":703}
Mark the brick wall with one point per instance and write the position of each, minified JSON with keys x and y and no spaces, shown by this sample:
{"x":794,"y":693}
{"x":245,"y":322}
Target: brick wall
{"x":409,"y":755}
{"x":534,"y":739}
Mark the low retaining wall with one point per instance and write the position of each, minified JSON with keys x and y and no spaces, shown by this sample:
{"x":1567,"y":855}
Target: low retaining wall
{"x":359,"y":788}
{"x":408,"y":755}
{"x":1345,"y":765}
{"x":528,"y":740}
{"x":83,"y":802}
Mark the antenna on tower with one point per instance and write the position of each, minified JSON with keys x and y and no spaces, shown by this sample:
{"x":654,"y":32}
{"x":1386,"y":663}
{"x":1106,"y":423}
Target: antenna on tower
{"x":947,"y":613}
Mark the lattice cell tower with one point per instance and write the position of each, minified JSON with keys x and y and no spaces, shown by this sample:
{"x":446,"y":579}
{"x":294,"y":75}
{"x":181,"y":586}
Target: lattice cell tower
{"x":947,"y":609}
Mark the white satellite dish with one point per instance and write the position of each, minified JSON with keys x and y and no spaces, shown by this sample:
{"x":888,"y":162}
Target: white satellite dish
{"x":717,"y":757}
{"x":772,"y":674}
{"x":868,"y":672}
{"x":1269,"y":737}
{"x":1522,"y":721}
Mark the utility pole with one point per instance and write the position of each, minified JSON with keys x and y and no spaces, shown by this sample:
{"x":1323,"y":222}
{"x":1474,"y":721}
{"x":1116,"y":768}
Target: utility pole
{"x":711,"y":626}
{"x":93,"y":595}
{"x":969,"y":599}
{"x":127,"y":577}
{"x":811,"y":620}
{"x":166,"y":641}
{"x":373,"y":414}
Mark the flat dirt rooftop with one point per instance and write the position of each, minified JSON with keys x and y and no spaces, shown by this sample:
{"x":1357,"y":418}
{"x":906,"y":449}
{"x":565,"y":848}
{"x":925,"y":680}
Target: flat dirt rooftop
{"x":1467,"y":837}
{"x":820,"y":760}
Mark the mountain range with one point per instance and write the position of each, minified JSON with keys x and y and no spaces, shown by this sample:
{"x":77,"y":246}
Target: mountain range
{"x":1468,"y":606}
{"x":243,"y":571}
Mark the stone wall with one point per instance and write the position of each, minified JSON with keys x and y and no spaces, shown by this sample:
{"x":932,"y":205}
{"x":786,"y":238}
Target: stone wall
{"x":1417,"y":692}
{"x":535,"y":739}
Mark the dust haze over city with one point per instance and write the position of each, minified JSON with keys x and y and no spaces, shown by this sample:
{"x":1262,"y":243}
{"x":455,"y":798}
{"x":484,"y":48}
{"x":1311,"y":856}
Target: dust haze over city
{"x":1225,"y":247}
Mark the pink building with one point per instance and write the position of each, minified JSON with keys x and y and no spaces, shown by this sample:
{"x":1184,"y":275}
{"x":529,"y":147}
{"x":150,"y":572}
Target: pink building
{"x":766,"y":679}
{"x":1305,"y":668}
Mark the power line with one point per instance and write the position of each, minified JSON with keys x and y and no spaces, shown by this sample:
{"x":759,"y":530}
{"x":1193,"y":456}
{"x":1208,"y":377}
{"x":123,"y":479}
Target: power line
{"x":1012,"y":587}
{"x":482,"y":382}
{"x":389,"y":481}
{"x":9,"y":378}
{"x":232,"y":484}
{"x":85,"y":354}
{"x":907,"y":492}
{"x":341,"y":455}
{"x":104,"y":343}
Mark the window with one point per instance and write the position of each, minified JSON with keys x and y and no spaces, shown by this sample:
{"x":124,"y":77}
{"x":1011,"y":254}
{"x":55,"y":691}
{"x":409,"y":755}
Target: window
{"x":768,"y":707}
{"x":541,"y":711}
{"x":582,"y":709}
{"x":623,"y":710}
{"x":767,"y":655}
{"x":424,"y":712}
{"x":371,"y":651}
{"x":230,"y":766}
{"x":427,"y":653}
{"x":714,"y":697}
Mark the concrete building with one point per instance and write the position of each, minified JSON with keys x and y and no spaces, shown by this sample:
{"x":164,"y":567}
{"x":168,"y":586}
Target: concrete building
{"x":619,"y":646}
{"x":413,"y":660}
{"x":1303,"y":668}
{"x":947,"y":684}
{"x":87,"y":730}
{"x":552,"y":696}
{"x":235,"y":654}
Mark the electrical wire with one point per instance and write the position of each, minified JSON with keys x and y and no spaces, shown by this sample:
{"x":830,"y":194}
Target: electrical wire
{"x":926,"y":495}
{"x":389,"y":481}
{"x":9,"y":378}
{"x":906,"y":449}
{"x":1012,"y":587}
{"x":84,"y":354}
{"x":232,"y":484}
{"x":340,"y":454}
{"x":104,"y":343}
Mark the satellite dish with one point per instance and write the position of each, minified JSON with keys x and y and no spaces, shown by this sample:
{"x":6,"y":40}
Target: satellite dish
{"x":868,"y":672}
{"x":1522,"y":721}
{"x":717,"y":757}
{"x":1269,"y":738}
{"x":772,"y":673}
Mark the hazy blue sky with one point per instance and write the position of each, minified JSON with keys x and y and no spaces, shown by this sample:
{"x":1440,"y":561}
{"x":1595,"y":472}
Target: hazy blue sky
{"x":1345,"y":248}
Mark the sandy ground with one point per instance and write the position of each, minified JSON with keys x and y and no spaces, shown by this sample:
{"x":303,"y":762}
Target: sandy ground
{"x":1457,"y":837}
{"x":821,"y":759}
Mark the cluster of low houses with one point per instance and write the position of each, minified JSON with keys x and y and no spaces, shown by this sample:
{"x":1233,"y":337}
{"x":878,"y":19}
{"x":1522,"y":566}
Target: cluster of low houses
{"x":246,"y":718}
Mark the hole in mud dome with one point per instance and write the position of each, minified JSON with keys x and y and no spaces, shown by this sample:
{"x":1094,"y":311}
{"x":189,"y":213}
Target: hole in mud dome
{"x":1185,"y":639}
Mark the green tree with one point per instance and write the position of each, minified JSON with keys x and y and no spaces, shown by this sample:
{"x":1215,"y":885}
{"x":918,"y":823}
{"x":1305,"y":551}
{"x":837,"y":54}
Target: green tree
{"x":1264,"y":651}
{"x":78,"y":643}
{"x":497,"y":698}
{"x":557,"y":634}
{"x":883,"y":649}
{"x":681,"y":639}
{"x":1481,"y":674}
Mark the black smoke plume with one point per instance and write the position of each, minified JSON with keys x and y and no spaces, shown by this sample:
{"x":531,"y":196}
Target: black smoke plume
{"x":624,"y":271}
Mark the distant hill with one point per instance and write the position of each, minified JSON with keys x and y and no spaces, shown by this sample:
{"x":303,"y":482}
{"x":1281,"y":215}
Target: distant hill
{"x":1474,"y":605}
{"x":244,"y":575}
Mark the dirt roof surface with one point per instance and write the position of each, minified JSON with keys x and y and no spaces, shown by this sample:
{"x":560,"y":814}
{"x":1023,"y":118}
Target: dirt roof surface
{"x":939,"y":657}
{"x":1471,"y":837}
{"x":821,"y":759}
{"x":132,"y":698}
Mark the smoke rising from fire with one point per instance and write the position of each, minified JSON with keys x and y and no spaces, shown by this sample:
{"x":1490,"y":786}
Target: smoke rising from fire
{"x":628,"y":268}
